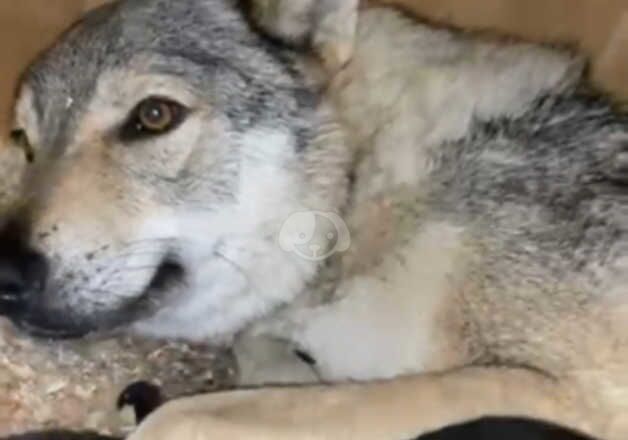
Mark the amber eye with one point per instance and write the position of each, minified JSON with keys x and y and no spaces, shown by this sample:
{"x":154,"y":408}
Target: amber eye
{"x":153,"y":116}
{"x":156,"y":115}
{"x":19,"y":138}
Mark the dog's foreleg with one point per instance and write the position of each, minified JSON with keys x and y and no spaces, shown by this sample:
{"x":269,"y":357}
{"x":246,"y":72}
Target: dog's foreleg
{"x":397,"y":409}
{"x":264,"y":360}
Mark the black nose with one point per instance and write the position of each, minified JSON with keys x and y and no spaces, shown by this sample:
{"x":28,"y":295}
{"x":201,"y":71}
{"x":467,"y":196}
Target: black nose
{"x":23,"y":271}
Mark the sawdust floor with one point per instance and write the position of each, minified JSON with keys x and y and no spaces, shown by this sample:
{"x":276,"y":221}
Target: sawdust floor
{"x":76,"y":384}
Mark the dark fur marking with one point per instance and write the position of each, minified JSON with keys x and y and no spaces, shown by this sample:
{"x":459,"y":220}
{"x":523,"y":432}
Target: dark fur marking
{"x":305,"y":357}
{"x":504,"y":429}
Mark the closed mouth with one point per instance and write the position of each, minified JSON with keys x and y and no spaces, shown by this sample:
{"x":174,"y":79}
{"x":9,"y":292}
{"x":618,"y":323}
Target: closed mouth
{"x":39,"y":323}
{"x":168,"y":274}
{"x":55,"y":326}
{"x":51,"y":333}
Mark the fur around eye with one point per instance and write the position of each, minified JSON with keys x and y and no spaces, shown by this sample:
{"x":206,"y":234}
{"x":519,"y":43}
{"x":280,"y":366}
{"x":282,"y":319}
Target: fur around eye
{"x":153,"y":116}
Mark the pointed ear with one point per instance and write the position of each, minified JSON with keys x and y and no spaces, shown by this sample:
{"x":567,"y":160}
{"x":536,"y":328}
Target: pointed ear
{"x":328,"y":27}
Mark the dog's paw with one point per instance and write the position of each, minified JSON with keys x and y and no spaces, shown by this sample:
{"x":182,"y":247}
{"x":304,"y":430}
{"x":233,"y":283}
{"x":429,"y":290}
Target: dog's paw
{"x":265,"y":360}
{"x":200,"y":418}
{"x":280,"y":413}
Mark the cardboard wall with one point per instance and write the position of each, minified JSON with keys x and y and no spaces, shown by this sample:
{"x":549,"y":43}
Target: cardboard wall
{"x":25,"y":27}
{"x":599,"y":26}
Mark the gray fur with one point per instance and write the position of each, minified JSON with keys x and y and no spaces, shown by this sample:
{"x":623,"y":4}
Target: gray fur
{"x":191,"y":40}
{"x":545,"y":183}
{"x":545,"y":196}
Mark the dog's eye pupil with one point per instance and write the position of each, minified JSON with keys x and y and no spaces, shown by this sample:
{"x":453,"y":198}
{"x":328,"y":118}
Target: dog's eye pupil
{"x":153,"y":116}
{"x":156,"y":115}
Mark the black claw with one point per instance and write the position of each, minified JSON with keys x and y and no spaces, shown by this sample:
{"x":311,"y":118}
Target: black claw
{"x":143,"y":397}
{"x":305,"y":357}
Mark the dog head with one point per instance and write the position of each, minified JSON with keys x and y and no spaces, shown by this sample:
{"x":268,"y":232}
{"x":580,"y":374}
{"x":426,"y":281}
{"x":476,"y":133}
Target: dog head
{"x":171,"y":140}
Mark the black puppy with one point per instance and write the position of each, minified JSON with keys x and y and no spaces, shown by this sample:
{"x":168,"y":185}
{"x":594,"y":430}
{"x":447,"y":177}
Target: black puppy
{"x":145,"y":398}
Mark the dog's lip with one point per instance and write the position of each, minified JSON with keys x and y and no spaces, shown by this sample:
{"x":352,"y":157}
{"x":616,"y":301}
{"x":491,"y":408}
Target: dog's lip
{"x":22,"y":315}
{"x":50,"y":333}
{"x":168,"y":274}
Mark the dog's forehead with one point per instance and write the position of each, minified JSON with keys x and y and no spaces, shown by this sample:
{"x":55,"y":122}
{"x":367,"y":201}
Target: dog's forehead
{"x":64,"y":78}
{"x":111,"y":34}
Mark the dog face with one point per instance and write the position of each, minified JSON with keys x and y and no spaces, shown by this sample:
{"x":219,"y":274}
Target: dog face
{"x":171,"y":142}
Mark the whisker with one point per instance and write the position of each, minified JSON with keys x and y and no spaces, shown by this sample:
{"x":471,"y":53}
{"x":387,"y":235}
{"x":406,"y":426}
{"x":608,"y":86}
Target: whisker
{"x":138,"y":268}
{"x":236,"y":266}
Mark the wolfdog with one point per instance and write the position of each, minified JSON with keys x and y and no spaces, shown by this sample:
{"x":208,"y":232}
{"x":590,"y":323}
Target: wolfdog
{"x":436,"y":222}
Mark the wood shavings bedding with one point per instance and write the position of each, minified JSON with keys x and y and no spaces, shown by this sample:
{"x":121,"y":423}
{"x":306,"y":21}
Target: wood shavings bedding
{"x":76,"y":384}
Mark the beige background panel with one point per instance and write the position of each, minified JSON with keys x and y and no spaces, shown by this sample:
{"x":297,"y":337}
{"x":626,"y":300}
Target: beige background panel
{"x":599,"y":27}
{"x":26,"y":26}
